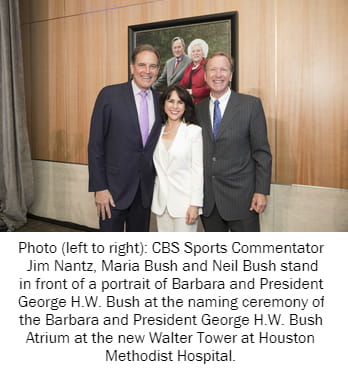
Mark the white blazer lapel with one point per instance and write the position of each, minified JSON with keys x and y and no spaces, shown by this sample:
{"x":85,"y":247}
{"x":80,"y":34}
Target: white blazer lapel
{"x":177,"y":141}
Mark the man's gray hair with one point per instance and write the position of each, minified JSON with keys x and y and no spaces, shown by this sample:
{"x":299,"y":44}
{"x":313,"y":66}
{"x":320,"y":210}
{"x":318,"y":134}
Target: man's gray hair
{"x":178,"y":38}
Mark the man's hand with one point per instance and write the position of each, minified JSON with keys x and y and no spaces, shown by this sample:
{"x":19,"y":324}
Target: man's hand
{"x":258,"y":202}
{"x":103,"y":200}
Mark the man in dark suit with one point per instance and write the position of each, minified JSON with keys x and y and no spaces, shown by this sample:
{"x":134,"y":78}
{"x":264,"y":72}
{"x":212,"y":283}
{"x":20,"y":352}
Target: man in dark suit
{"x":236,"y":152}
{"x":175,"y":67}
{"x":125,"y":127}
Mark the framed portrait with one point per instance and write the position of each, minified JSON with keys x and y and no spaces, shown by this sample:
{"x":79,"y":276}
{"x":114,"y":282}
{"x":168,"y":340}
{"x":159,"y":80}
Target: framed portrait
{"x":219,"y":31}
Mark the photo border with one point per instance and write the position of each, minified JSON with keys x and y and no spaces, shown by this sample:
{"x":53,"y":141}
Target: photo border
{"x":231,"y":16}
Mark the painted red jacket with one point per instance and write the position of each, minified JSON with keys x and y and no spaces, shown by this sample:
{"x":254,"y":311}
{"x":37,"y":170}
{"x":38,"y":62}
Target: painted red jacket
{"x":200,"y":89}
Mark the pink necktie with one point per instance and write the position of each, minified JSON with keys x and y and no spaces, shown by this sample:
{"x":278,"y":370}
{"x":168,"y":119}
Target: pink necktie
{"x":144,"y":117}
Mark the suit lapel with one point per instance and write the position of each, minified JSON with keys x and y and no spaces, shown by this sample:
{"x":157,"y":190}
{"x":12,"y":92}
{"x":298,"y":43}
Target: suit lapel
{"x":129,"y":100}
{"x":156,"y":128}
{"x":207,"y":125}
{"x":171,"y":65}
{"x":177,"y":142}
{"x":177,"y":72}
{"x":229,"y":113}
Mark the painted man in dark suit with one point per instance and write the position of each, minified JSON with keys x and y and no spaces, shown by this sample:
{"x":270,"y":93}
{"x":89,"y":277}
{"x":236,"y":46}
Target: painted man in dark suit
{"x":237,"y":157}
{"x":175,"y":67}
{"x":120,"y":148}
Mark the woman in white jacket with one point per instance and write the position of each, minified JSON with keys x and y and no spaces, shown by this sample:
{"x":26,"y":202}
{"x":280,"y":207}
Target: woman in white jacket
{"x":178,"y":159}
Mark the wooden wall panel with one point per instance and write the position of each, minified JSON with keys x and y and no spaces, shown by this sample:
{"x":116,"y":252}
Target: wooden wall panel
{"x":74,"y":7}
{"x":257,"y":59}
{"x":292,"y":53}
{"x":86,"y":35}
{"x":48,"y":103}
{"x":312,"y":93}
{"x":80,"y":33}
{"x":40,"y":10}
{"x":116,"y":46}
{"x":86,"y":66}
{"x":256,"y":47}
{"x":24,"y":11}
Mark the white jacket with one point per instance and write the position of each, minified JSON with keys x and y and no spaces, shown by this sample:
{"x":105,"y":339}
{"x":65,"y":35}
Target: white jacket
{"x":179,"y":180}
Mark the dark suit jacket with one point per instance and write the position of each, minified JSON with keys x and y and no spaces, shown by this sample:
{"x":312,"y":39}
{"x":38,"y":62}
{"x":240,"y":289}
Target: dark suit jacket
{"x":239,"y":162}
{"x":117,"y":159}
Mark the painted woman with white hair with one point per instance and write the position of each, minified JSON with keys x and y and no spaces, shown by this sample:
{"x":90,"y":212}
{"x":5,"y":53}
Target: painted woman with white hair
{"x":193,"y":79}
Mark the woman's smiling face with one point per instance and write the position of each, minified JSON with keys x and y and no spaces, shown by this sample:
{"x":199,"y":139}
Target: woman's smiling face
{"x":174,"y":107}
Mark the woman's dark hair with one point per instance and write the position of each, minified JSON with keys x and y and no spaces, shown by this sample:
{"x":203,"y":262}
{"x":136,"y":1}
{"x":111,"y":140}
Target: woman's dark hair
{"x":189,"y":114}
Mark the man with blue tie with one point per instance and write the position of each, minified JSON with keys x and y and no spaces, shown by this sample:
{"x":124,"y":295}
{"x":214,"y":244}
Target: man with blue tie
{"x":236,"y":154}
{"x":125,"y":127}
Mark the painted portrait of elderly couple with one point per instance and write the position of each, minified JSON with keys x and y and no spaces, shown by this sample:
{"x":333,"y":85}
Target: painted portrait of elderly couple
{"x":178,"y":140}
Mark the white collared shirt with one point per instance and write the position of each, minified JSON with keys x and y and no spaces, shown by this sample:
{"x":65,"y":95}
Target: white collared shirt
{"x":179,"y":59}
{"x":223,"y":100}
{"x":150,"y":103}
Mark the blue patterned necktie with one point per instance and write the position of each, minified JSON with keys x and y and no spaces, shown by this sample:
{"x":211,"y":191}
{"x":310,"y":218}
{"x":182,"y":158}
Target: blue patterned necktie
{"x":217,"y":118}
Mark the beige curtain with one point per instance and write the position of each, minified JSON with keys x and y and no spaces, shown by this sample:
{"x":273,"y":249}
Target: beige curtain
{"x":16,"y":176}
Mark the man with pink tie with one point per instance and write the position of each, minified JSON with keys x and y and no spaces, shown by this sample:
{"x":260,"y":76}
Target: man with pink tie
{"x":125,"y":127}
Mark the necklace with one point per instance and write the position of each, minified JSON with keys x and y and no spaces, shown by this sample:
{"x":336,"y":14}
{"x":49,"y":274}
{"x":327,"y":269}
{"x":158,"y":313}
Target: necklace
{"x":165,"y":132}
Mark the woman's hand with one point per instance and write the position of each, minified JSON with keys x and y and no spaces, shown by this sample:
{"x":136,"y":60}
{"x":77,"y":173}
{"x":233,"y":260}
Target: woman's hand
{"x":191,"y":214}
